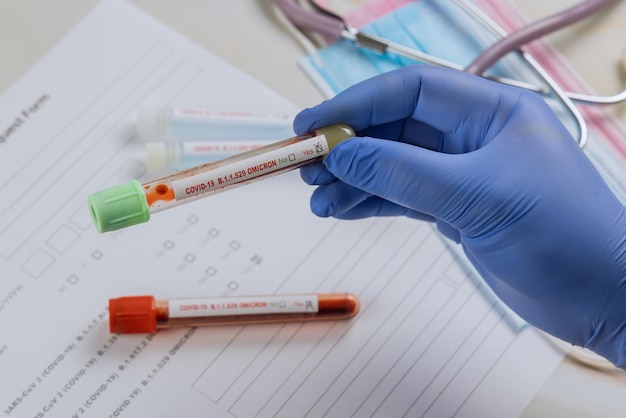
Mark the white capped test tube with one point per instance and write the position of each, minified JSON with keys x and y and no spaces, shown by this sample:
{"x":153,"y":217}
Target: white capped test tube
{"x":167,"y":156}
{"x":132,"y":202}
{"x":174,"y":124}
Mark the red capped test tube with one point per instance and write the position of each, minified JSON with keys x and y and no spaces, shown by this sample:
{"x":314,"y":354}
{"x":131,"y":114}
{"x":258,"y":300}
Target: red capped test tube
{"x":146,"y":314}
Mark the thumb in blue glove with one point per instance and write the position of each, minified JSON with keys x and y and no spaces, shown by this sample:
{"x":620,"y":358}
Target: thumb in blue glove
{"x":497,"y":171}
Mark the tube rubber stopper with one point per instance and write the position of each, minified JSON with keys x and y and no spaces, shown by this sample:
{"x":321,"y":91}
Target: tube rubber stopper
{"x":119,"y":206}
{"x":132,"y":315}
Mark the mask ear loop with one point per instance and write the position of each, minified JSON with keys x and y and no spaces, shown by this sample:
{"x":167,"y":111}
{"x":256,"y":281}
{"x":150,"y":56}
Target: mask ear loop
{"x":582,"y":128}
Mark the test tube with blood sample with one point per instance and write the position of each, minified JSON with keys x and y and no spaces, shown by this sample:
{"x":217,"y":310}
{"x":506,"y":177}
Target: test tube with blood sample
{"x":132,"y":202}
{"x":145,"y":314}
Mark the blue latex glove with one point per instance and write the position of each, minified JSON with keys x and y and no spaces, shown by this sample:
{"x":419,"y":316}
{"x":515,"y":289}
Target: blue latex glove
{"x":497,"y":172}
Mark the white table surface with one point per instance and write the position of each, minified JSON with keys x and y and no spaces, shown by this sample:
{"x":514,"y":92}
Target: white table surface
{"x":245,"y":33}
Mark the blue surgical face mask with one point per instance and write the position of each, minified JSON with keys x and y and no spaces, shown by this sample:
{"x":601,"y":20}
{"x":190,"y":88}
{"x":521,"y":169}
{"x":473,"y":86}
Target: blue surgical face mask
{"x":435,"y":27}
{"x":438,"y":27}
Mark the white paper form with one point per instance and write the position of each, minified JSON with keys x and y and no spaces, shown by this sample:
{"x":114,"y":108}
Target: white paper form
{"x":426,"y":342}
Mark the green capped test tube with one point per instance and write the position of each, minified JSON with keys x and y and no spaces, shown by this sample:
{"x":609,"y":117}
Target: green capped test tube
{"x":133,"y":202}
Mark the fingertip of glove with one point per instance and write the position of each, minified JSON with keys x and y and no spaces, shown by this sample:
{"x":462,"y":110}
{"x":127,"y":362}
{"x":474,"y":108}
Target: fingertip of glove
{"x":307,"y":175}
{"x":320,"y":209}
{"x":304,"y":122}
{"x":335,"y":161}
{"x":316,"y":174}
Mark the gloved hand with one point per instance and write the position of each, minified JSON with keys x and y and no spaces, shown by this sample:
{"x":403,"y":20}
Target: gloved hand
{"x":497,"y":172}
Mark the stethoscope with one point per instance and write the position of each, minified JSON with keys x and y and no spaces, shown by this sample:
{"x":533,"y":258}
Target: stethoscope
{"x":332,"y":27}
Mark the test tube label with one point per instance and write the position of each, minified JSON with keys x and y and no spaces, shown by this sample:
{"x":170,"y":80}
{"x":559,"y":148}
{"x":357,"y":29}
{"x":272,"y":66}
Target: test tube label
{"x":186,"y":116}
{"x":207,"y":149}
{"x":255,"y":166}
{"x":253,"y":305}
